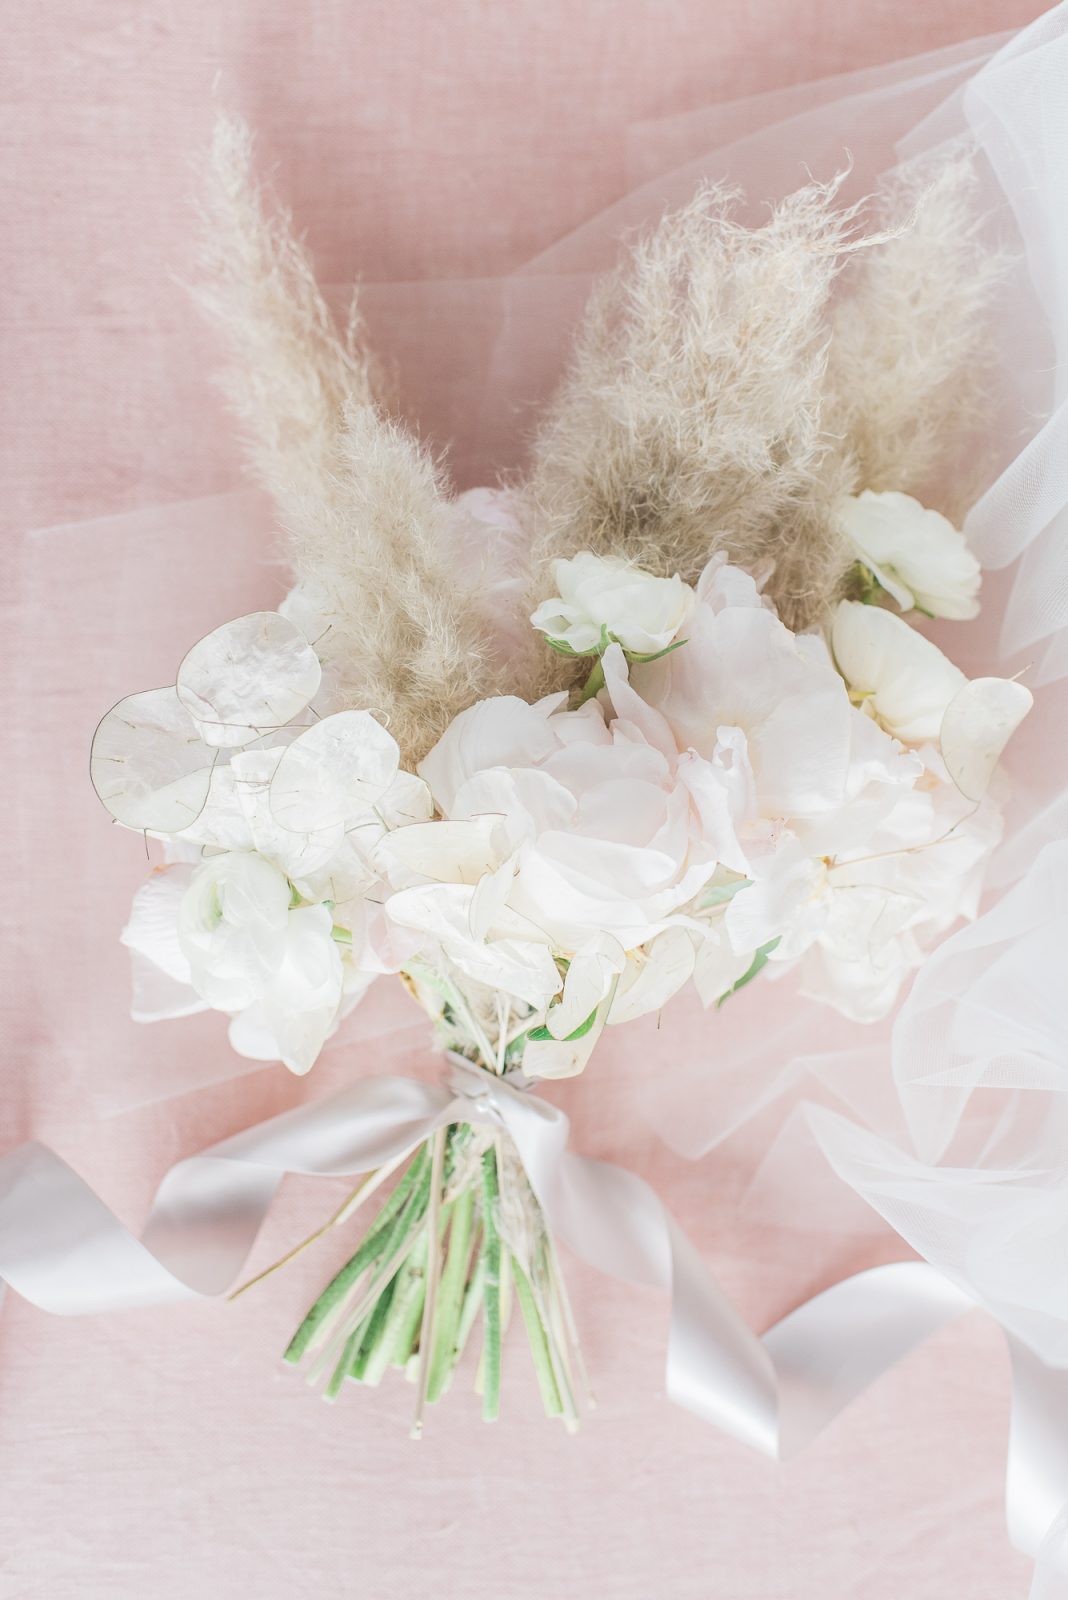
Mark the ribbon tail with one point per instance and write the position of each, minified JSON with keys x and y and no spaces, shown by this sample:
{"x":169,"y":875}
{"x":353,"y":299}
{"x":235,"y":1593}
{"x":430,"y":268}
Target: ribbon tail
{"x":66,"y":1252}
{"x":775,"y":1393}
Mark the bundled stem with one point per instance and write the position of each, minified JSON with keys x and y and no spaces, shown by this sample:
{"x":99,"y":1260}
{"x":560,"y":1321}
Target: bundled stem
{"x":435,"y":1260}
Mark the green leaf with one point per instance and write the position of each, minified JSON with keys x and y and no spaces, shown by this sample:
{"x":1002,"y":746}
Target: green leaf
{"x":542,"y":1035}
{"x":718,"y":894}
{"x":758,"y":963}
{"x":655,"y":655}
{"x":564,"y":648}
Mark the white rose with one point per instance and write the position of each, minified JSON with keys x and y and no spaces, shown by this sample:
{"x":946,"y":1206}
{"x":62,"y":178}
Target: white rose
{"x":642,"y":613}
{"x":915,"y":554}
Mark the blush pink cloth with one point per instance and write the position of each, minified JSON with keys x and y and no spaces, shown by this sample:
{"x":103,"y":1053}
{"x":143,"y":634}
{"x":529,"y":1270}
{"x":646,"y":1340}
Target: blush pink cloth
{"x":167,"y":1453}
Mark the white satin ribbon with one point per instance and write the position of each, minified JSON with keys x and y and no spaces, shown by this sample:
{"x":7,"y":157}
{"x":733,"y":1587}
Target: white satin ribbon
{"x":63,"y":1250}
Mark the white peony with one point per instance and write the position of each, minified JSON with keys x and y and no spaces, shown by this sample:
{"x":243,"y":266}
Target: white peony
{"x":642,"y":613}
{"x":577,"y":835}
{"x":767,"y":709}
{"x":915,"y":554}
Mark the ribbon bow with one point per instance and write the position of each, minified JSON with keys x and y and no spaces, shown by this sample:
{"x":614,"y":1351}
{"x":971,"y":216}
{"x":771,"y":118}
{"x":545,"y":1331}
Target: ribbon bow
{"x":62,"y":1249}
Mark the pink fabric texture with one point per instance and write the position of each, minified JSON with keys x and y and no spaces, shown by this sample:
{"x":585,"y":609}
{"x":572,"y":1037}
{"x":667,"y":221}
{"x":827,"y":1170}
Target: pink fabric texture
{"x":167,"y":1453}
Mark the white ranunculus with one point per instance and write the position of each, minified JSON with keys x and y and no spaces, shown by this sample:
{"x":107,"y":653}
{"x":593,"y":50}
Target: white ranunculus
{"x":642,"y":613}
{"x":915,"y":554}
{"x":606,"y":837}
{"x":580,"y":835}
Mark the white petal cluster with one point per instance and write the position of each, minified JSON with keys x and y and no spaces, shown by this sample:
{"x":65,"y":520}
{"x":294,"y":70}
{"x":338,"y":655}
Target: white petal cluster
{"x":268,"y":909}
{"x":733,"y":796}
{"x":915,"y":554}
{"x":601,"y":599}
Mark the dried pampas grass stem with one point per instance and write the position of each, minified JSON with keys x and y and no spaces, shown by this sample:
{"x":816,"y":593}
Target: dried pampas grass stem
{"x":363,"y":506}
{"x":731,"y":383}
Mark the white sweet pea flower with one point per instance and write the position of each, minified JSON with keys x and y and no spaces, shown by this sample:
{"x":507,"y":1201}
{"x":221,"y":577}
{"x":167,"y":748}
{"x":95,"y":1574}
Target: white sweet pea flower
{"x":654,"y":975}
{"x":162,"y":980}
{"x":299,"y":1006}
{"x":509,"y":958}
{"x":642,"y":613}
{"x":274,"y":967}
{"x":915,"y":554}
{"x":918,"y":695}
{"x":897,"y":675}
{"x":232,"y":928}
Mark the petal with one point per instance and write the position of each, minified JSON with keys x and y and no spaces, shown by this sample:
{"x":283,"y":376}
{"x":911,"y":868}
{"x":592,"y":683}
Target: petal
{"x":157,"y":997}
{"x":152,"y":930}
{"x":337,"y":768}
{"x":654,"y":975}
{"x":443,"y":912}
{"x":503,"y":732}
{"x":248,"y":677}
{"x":718,"y":966}
{"x":906,"y":678}
{"x":148,"y":764}
{"x":592,"y":973}
{"x":978,"y":724}
{"x":443,"y":852}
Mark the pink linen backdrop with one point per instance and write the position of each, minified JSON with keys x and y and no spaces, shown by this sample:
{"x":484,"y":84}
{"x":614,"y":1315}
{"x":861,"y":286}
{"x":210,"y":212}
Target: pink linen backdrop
{"x":166,"y":1453}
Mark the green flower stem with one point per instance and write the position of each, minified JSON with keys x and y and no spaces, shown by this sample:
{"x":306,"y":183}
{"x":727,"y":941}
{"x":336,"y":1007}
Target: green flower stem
{"x":505,"y":1294}
{"x":374,"y":1330}
{"x":356,"y":1316}
{"x":433,"y":1267}
{"x":593,"y":685}
{"x":405,"y":1313}
{"x":548,"y":1309}
{"x":539,"y":1344}
{"x":410,"y":1316}
{"x":365,"y":1256}
{"x":337,"y":1377}
{"x":491,"y":1298}
{"x":472,"y":1302}
{"x":450,"y":1295}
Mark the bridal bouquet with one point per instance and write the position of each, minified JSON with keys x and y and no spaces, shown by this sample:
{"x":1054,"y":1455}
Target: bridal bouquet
{"x":663,"y":713}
